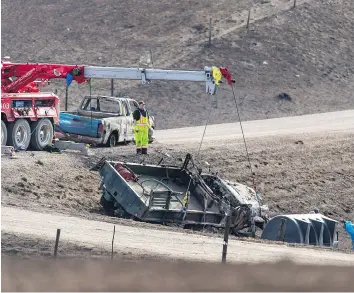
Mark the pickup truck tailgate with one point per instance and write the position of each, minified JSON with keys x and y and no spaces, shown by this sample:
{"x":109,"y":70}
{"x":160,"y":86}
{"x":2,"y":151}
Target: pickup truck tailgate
{"x":81,"y":125}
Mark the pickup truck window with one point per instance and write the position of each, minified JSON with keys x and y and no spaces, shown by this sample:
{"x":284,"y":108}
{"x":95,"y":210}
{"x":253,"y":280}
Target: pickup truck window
{"x":109,"y":106}
{"x":133,"y":106}
{"x":126,"y":108}
{"x":89,"y":104}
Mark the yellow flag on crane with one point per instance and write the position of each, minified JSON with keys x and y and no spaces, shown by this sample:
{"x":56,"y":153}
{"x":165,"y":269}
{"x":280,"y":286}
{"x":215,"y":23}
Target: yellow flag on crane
{"x":216,"y":74}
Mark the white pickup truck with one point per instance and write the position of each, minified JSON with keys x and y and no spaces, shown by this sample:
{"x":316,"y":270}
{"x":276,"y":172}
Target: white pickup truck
{"x":101,"y":120}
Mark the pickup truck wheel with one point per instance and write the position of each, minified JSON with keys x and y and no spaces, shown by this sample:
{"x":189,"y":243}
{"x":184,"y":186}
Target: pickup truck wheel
{"x":3,"y":133}
{"x":42,"y":134}
{"x":151,"y":135}
{"x":19,"y":134}
{"x":112,"y":140}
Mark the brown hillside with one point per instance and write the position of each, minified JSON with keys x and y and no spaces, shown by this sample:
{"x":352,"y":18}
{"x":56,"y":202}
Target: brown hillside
{"x":307,"y":50}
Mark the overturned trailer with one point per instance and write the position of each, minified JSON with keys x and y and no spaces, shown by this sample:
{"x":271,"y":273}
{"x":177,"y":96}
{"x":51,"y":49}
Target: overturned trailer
{"x":181,"y":195}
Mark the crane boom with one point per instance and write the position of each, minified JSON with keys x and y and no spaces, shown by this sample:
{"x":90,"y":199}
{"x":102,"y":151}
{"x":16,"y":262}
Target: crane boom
{"x":148,"y":74}
{"x":27,"y":73}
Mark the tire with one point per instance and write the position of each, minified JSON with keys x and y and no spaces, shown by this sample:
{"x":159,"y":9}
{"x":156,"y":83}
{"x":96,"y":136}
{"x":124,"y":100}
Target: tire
{"x":3,"y":133}
{"x":108,"y":206}
{"x":19,"y":134}
{"x":151,"y":135}
{"x":112,"y":140}
{"x":42,"y":134}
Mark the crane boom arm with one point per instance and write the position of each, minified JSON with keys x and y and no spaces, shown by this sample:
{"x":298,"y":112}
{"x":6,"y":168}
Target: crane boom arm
{"x":27,"y":73}
{"x":148,"y":74}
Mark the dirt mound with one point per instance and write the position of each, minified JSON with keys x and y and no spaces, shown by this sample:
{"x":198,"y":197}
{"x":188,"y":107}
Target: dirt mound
{"x":57,"y":182}
{"x":148,"y":275}
{"x":305,"y":52}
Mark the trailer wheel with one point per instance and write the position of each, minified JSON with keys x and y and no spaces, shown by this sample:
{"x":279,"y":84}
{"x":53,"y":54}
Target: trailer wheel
{"x":108,"y":206}
{"x":3,"y":133}
{"x":42,"y":134}
{"x":19,"y":134}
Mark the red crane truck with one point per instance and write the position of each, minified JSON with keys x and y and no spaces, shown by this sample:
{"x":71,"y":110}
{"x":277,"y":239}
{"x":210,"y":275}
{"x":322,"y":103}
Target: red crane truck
{"x":28,"y":115}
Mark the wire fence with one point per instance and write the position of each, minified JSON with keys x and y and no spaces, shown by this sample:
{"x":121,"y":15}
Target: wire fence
{"x":135,"y":241}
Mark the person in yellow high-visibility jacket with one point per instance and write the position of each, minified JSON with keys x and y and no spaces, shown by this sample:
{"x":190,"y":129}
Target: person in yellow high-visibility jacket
{"x":141,"y":128}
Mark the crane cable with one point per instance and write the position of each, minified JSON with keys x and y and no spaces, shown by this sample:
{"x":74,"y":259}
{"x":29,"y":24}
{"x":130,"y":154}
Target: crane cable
{"x":244,"y":139}
{"x":186,"y":196}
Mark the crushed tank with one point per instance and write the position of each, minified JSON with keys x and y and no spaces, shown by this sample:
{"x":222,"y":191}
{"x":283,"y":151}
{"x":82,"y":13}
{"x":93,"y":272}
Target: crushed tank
{"x":308,"y":229}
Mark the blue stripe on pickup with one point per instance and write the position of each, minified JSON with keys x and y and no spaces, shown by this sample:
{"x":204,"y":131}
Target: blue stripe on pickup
{"x":81,"y":125}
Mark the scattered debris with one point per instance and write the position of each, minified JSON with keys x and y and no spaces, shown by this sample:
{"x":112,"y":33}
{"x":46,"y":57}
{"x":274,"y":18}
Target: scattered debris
{"x":284,"y":96}
{"x":7,"y":150}
{"x":69,"y":145}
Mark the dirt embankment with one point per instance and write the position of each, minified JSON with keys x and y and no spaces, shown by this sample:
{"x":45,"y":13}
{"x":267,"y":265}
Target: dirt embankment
{"x":294,"y":174}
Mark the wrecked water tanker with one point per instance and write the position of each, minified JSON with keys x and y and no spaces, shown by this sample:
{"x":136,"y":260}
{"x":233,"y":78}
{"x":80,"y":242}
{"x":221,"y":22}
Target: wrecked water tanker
{"x":180,"y":195}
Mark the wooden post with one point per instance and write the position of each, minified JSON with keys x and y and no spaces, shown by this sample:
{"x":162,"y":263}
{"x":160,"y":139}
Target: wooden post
{"x":112,"y":87}
{"x":152,"y":61}
{"x":66,"y":98}
{"x":294,"y":3}
{"x":281,"y":232}
{"x":210,"y":31}
{"x":248,"y":18}
{"x":226,"y":239}
{"x":114,"y":232}
{"x":56,"y":243}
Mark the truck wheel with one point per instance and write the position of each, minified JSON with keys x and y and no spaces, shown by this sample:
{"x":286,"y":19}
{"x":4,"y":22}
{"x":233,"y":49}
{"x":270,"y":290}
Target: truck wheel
{"x":3,"y":133}
{"x":19,"y":134}
{"x":42,"y":134}
{"x":112,"y":140}
{"x":151,"y":135}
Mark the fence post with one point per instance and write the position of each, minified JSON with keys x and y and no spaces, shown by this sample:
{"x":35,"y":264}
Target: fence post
{"x":114,"y":232}
{"x":112,"y":87}
{"x":56,"y":243}
{"x":226,"y":239}
{"x":248,"y":18}
{"x":281,"y":232}
{"x":210,"y":31}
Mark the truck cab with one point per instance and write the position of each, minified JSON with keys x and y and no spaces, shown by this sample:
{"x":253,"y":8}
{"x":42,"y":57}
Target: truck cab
{"x":101,"y":120}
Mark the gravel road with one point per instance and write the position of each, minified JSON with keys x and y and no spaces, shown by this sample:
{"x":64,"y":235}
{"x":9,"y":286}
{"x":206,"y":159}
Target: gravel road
{"x":158,"y":242}
{"x":340,"y":121}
